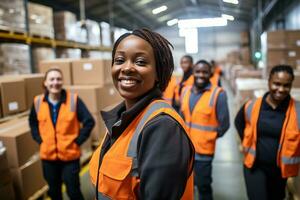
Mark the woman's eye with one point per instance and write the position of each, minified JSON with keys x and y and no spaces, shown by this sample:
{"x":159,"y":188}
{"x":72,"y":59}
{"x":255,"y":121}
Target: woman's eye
{"x":118,"y":61}
{"x":141,"y":62}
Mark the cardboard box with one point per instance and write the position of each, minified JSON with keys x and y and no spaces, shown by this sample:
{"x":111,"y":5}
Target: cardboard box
{"x":40,"y":54}
{"x":282,"y":39}
{"x":33,"y":87}
{"x":245,"y":38}
{"x":109,"y":96}
{"x":91,"y":72}
{"x":17,"y":139}
{"x":99,"y":130}
{"x":6,"y":187}
{"x":63,"y":64}
{"x":283,"y":56}
{"x":89,"y":94}
{"x":12,"y":92}
{"x":28,"y":179}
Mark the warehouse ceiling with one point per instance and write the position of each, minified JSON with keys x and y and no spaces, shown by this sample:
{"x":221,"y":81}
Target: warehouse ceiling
{"x":131,"y":14}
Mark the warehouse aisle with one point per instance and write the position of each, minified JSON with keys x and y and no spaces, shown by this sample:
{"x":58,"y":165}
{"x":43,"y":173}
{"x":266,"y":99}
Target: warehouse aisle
{"x":228,"y":181}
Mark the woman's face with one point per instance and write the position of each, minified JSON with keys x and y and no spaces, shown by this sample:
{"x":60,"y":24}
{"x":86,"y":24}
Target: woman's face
{"x":54,"y":82}
{"x":280,"y":84}
{"x":133,"y":70}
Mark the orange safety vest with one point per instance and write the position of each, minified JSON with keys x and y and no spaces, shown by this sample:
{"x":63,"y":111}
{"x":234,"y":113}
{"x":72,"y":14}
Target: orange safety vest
{"x":215,"y":79}
{"x":169,"y":93}
{"x":117,"y":175}
{"x":189,"y":82}
{"x":202,"y":122}
{"x":288,"y":157}
{"x":58,"y":142}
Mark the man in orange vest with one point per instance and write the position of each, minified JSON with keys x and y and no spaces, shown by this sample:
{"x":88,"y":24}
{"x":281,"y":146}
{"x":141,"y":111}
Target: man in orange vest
{"x":269,"y":129}
{"x":205,"y":111}
{"x":186,"y":63}
{"x":55,"y":120}
{"x":215,"y":79}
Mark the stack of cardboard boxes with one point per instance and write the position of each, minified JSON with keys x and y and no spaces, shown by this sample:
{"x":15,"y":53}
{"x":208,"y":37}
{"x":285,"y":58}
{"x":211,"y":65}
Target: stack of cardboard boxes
{"x":6,"y":183}
{"x":14,"y":59}
{"x":64,"y":24}
{"x":282,"y":47}
{"x":23,"y":159}
{"x":40,"y":20}
{"x":41,"y":53}
{"x":245,"y":49}
{"x":91,"y":80}
{"x":12,"y":15}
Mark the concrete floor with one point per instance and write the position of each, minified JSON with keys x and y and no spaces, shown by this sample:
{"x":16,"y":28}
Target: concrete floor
{"x":228,"y":181}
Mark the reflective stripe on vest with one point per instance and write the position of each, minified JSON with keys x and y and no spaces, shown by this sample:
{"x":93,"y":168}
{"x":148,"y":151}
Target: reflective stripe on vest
{"x":212,"y":98}
{"x":298,"y":112}
{"x":290,"y":161}
{"x":37,"y":104}
{"x":103,"y":197}
{"x":132,"y":149}
{"x":249,"y":111}
{"x":250,"y":150}
{"x":201,"y":127}
{"x":72,"y":102}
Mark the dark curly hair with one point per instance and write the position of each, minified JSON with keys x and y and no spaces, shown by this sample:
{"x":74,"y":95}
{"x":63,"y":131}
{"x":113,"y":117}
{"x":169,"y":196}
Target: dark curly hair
{"x":282,"y":68}
{"x":162,"y":53}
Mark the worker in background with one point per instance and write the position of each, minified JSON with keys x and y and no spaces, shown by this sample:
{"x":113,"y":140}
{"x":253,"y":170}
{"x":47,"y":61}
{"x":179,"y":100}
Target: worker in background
{"x":186,"y":63}
{"x":216,"y":74}
{"x":269,"y":129}
{"x":146,"y":153}
{"x":169,"y":92}
{"x":205,"y":111}
{"x":55,"y":121}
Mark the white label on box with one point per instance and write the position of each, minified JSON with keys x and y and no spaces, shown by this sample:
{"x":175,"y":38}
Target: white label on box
{"x":13,"y":106}
{"x":298,"y":42}
{"x":87,"y":66}
{"x":111,"y":91}
{"x":292,"y":54}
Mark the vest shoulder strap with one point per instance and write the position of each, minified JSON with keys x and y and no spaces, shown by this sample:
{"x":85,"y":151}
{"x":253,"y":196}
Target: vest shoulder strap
{"x":297,"y":105}
{"x":248,"y":110}
{"x":37,"y":102}
{"x":73,"y":101}
{"x":132,"y":149}
{"x":215,"y":93}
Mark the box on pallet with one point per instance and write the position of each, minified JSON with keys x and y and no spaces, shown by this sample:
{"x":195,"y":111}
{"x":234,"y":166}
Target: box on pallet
{"x":64,"y":23}
{"x":282,"y":39}
{"x":40,"y":20}
{"x":18,"y":141}
{"x":105,"y":34}
{"x":14,"y":58}
{"x":91,"y":72}
{"x":24,"y":184}
{"x":68,"y":53}
{"x":93,"y":33}
{"x":12,"y":15}
{"x":63,"y":64}
{"x":40,"y":54}
{"x":11,"y":101}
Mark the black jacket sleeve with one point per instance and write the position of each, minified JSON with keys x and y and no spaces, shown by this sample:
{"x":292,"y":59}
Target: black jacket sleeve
{"x":165,"y":158}
{"x":34,"y":125}
{"x":239,"y":122}
{"x":85,"y":117}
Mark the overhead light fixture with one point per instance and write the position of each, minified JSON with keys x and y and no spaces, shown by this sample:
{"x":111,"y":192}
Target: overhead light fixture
{"x":228,"y":17}
{"x":231,"y":1}
{"x":143,"y":2}
{"x":172,"y":22}
{"x":191,"y":39}
{"x":159,"y":10}
{"x":205,"y":22}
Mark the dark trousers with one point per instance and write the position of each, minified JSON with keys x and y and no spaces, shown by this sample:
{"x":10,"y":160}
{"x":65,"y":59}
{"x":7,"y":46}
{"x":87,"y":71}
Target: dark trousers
{"x":57,"y":172}
{"x":203,"y":179}
{"x":264,"y":183}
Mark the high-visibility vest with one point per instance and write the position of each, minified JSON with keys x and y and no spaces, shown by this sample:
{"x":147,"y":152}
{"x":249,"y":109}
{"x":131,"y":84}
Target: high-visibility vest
{"x":117,"y":176}
{"x":58,"y":142}
{"x":288,"y":156}
{"x":215,"y":79}
{"x":202,"y":122}
{"x":169,"y":93}
{"x":188,"y":83}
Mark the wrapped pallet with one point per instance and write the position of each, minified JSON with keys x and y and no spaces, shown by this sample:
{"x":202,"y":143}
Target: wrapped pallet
{"x":12,"y":15}
{"x":68,"y":53}
{"x":40,"y":20}
{"x":14,"y":59}
{"x":64,"y":24}
{"x":41,"y":54}
{"x":105,"y":34}
{"x":93,"y":33}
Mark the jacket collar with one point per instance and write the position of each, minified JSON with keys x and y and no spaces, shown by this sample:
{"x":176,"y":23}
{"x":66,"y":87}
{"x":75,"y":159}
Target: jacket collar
{"x":63,"y":96}
{"x":117,"y":119}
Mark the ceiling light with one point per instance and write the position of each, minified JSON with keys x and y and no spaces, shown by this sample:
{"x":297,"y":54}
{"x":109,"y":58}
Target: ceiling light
{"x":143,"y":2}
{"x":159,"y":10}
{"x":172,"y":22}
{"x":191,"y":39}
{"x":228,"y":17}
{"x":231,"y":1}
{"x":204,"y":22}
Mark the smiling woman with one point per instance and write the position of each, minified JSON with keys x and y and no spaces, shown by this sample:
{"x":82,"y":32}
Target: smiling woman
{"x":146,"y":153}
{"x":269,"y":129}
